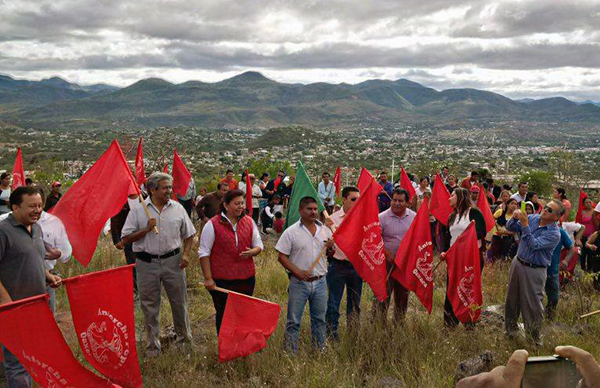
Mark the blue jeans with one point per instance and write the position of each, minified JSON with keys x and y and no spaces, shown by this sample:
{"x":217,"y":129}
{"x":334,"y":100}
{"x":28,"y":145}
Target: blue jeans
{"x":340,"y":275}
{"x":552,"y":292}
{"x":16,"y":375}
{"x":299,"y":293}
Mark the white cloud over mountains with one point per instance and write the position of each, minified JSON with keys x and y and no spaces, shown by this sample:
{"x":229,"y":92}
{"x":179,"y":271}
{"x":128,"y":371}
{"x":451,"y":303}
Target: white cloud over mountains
{"x":521,"y":48}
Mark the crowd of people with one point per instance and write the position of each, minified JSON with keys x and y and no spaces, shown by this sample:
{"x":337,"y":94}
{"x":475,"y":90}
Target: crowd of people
{"x":539,"y":237}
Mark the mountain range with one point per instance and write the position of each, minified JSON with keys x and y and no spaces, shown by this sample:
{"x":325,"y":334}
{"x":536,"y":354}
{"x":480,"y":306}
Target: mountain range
{"x":252,"y":100}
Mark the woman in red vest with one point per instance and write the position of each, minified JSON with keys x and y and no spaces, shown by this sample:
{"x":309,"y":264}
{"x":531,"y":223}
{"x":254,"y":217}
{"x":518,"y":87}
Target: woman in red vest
{"x":228,"y":244}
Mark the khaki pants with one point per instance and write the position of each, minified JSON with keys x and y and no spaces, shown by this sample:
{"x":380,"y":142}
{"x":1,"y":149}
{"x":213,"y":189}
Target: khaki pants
{"x":149,"y":279}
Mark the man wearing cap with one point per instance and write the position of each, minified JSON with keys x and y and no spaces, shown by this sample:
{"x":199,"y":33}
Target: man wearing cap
{"x":474,"y":191}
{"x":53,"y":197}
{"x":161,"y":257}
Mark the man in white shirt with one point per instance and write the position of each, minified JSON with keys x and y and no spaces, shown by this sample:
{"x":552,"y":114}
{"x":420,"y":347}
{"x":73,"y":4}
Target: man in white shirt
{"x":341,"y":274}
{"x":299,"y":246}
{"x":161,"y":258}
{"x":326,"y":191}
{"x":522,"y":193}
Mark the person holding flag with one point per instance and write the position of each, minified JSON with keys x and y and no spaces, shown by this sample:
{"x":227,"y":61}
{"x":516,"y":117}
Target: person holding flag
{"x":395,"y":222}
{"x":228,"y":244}
{"x":326,"y":192}
{"x":387,"y":187}
{"x":341,"y":274}
{"x":161,"y":257}
{"x":299,"y":247}
{"x":463,"y":213}
{"x":256,"y":194}
{"x":528,"y":271}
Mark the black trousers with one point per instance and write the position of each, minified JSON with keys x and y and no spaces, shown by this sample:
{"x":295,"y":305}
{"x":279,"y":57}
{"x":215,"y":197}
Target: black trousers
{"x":130,"y":259}
{"x":243,"y":286}
{"x":187,"y":205}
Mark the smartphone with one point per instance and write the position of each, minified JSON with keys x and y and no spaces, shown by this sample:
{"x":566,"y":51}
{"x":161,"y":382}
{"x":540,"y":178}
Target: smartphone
{"x":550,"y":372}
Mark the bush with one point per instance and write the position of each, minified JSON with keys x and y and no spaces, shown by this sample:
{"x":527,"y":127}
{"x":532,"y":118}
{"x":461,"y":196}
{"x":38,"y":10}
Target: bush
{"x":539,"y":181}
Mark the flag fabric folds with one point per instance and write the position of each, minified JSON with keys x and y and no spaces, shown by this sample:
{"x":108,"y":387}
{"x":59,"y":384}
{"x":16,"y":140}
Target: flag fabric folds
{"x":359,"y":237}
{"x":303,"y":187}
{"x":364,"y":179}
{"x":97,"y":196}
{"x":166,"y":168}
{"x":247,"y":324}
{"x":140,"y":172}
{"x":406,"y":184}
{"x":582,"y":196}
{"x":29,"y":331}
{"x":414,"y":259}
{"x":18,"y":173}
{"x":484,"y":208}
{"x":337,"y":181}
{"x":181,"y":175}
{"x":102,"y":308}
{"x":464,"y":276}
{"x":249,"y":190}
{"x":440,"y":201}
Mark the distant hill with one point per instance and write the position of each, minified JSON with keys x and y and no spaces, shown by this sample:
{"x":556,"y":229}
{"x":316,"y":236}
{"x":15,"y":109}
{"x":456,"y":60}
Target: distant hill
{"x":252,"y":100}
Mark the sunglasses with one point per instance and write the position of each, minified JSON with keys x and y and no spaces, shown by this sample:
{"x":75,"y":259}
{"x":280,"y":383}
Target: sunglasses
{"x":353,"y":199}
{"x":548,"y":209}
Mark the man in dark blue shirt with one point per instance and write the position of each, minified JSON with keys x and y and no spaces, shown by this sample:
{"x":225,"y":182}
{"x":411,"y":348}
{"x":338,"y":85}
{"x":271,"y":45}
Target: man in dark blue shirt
{"x":552,"y":281}
{"x":528,"y":271}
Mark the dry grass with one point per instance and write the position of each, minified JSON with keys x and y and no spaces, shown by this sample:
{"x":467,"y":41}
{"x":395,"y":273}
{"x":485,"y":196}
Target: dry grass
{"x":419,"y":353}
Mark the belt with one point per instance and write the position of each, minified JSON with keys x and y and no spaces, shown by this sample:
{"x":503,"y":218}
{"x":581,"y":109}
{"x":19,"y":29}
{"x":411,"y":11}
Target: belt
{"x":312,"y":279}
{"x":144,"y":256}
{"x":526,"y":264}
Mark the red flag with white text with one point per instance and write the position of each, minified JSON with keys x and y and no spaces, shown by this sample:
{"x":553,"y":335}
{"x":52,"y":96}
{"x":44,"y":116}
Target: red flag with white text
{"x":464,"y":276}
{"x":181,"y":175}
{"x":582,"y":196}
{"x":359,"y":237}
{"x":140,"y":172}
{"x":247,"y":324}
{"x":414,"y":259}
{"x":18,"y":173}
{"x":102,"y":308}
{"x":337,"y":181}
{"x":249,"y":190}
{"x":97,"y":196}
{"x":29,"y":331}
{"x":440,"y":201}
{"x":406,"y":184}
{"x":484,"y":207}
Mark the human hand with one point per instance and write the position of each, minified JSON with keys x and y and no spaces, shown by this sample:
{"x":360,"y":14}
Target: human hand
{"x":578,"y":243}
{"x":133,"y":196}
{"x":329,"y":243}
{"x":205,"y":219}
{"x":248,"y":253}
{"x":151,"y":224}
{"x":388,"y":256}
{"x":210,"y":284}
{"x":443,"y":256}
{"x":53,"y":281}
{"x":586,"y":364}
{"x":592,"y":247}
{"x":120,"y":245}
{"x":508,"y":376}
{"x":517,"y":215}
{"x":304,"y":275}
{"x":52,"y":253}
{"x":184,"y":262}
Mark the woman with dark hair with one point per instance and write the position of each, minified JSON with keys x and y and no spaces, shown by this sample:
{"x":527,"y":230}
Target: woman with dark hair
{"x":502,"y":200}
{"x":561,"y":195}
{"x":533,"y":198}
{"x":451,"y":185}
{"x":463,"y":213}
{"x":228,"y":244}
{"x":423,"y":187}
{"x":4,"y":192}
{"x":503,"y":240}
{"x":586,"y":219}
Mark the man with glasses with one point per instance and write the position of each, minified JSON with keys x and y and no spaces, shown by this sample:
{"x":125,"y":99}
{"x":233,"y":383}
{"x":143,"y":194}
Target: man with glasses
{"x":528,"y":271}
{"x":341,"y":274}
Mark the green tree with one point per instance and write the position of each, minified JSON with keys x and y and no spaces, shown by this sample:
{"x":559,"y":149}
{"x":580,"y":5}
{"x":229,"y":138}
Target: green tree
{"x":539,"y":181}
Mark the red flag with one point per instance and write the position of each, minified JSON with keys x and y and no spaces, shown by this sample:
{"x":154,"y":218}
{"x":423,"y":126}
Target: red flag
{"x":247,"y":324}
{"x":440,"y":201}
{"x":18,"y":172}
{"x":582,"y":196}
{"x":140,"y":172}
{"x":484,"y":207}
{"x":364,"y":179}
{"x":102,"y":307}
{"x":337,"y":181}
{"x":249,"y":189}
{"x":406,"y":184}
{"x":181,"y":175}
{"x":464,"y":276}
{"x":97,"y":196}
{"x":359,"y":237}
{"x":414,"y":259}
{"x":29,"y":331}
{"x":166,"y":168}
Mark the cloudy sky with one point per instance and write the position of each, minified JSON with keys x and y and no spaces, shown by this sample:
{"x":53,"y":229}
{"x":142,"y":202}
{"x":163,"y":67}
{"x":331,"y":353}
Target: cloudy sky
{"x":532,"y":48}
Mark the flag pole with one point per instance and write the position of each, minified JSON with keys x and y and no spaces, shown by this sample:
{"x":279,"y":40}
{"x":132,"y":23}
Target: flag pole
{"x":590,"y":314}
{"x":226,"y":291}
{"x":393,"y":170}
{"x":324,"y":250}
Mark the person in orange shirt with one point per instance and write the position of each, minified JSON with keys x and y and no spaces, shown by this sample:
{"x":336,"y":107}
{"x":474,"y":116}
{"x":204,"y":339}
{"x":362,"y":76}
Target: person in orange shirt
{"x":233,"y":184}
{"x":468,"y":182}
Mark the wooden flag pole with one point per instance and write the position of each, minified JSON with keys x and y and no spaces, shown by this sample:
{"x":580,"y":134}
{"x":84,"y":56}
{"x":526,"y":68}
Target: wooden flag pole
{"x":590,"y":314}
{"x":147,"y":211}
{"x":324,"y":250}
{"x":226,"y":291}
